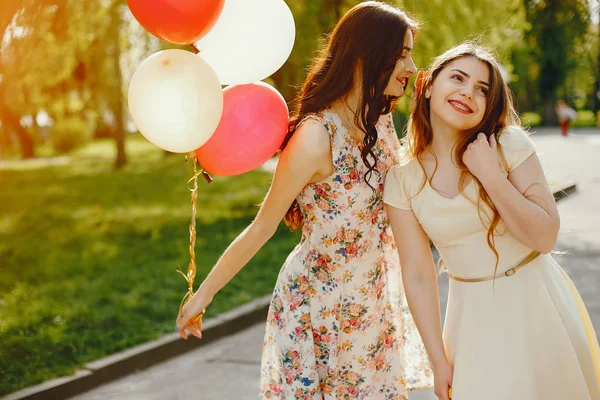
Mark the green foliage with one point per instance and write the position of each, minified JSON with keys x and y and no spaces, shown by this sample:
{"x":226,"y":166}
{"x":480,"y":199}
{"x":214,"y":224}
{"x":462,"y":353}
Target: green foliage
{"x":497,"y":24}
{"x":556,"y":28}
{"x":443,"y":24}
{"x":69,"y":134}
{"x":585,"y":118}
{"x":400,"y":120}
{"x":89,"y":254}
{"x":69,"y":57}
{"x":531,"y":119}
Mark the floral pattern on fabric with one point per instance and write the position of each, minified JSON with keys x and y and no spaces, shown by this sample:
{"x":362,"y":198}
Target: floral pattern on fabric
{"x":338,"y":326}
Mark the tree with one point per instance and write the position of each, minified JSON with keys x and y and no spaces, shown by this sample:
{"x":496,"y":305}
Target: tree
{"x":55,"y":32}
{"x":11,"y":120}
{"x":313,"y":18}
{"x":444,"y":24}
{"x":117,"y":83}
{"x":556,"y":26}
{"x":88,"y":49}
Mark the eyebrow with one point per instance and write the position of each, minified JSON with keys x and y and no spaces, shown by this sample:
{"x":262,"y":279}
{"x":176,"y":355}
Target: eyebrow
{"x":406,"y":48}
{"x":468,"y":76}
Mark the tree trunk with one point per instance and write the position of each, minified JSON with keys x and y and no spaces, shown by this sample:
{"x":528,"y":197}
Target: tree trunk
{"x":5,"y":142}
{"x":548,"y":114}
{"x":11,"y":122}
{"x":117,"y":93}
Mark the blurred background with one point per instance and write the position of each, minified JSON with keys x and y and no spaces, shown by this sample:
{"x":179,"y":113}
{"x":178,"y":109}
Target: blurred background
{"x":94,"y":219}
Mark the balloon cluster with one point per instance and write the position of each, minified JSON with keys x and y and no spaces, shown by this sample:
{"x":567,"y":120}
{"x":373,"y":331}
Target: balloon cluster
{"x":176,"y":98}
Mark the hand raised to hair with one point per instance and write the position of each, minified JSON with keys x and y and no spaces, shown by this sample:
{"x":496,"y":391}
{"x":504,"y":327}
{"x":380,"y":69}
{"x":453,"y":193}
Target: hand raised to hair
{"x":481,"y":158}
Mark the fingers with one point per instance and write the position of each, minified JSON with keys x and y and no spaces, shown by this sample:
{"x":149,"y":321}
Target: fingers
{"x":182,"y":324}
{"x":183,"y":333}
{"x":195,"y":328}
{"x":481,"y":140}
{"x":493,"y":143}
{"x":443,"y":391}
{"x":443,"y":395}
{"x":194,"y":331}
{"x":192,"y":325}
{"x":182,"y":321}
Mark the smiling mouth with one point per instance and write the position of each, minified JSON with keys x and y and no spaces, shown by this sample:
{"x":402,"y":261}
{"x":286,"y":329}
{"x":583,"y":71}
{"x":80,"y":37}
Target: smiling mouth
{"x":403,"y":82}
{"x":460,"y":107}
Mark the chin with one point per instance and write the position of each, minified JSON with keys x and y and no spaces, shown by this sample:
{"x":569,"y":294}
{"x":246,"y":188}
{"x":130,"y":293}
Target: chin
{"x":460,"y":125}
{"x":394,"y":93}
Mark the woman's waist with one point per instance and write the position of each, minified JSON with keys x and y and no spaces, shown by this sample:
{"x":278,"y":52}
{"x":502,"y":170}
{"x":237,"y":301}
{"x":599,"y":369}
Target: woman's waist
{"x":377,"y":242}
{"x":483,"y":263}
{"x":318,"y":229}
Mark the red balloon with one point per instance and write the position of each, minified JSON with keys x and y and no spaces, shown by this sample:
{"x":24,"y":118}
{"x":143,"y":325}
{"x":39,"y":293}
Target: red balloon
{"x":177,"y":21}
{"x":253,"y":126}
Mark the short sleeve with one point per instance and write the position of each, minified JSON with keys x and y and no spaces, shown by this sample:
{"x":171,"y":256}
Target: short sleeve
{"x":516,"y":146}
{"x":394,"y":189}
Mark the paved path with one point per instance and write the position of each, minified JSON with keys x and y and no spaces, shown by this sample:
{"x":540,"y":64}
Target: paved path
{"x":229,"y":368}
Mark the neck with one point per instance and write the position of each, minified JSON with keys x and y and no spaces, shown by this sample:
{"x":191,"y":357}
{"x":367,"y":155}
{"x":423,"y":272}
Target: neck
{"x":352,"y":100}
{"x":444,"y":137}
{"x":347,"y":107}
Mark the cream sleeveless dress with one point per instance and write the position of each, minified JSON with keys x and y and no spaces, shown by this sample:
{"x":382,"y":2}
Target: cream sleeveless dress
{"x":523,"y":337}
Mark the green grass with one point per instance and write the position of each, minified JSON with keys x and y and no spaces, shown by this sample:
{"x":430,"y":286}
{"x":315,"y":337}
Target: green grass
{"x":88,"y":254}
{"x":531,"y":119}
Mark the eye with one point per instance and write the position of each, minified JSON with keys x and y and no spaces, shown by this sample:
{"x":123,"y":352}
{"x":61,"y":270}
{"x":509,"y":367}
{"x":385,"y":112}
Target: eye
{"x":483,"y":90}
{"x":457,"y":77}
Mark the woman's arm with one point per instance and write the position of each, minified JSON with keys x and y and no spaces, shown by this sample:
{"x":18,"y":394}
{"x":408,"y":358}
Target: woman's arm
{"x":306,"y":156}
{"x":420,"y":284}
{"x":523,"y":199}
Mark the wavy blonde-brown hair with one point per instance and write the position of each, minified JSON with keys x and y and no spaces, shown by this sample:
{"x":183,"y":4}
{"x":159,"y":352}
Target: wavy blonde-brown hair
{"x":499,"y":113}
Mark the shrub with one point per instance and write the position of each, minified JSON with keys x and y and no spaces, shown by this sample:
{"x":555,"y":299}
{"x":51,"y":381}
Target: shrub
{"x":69,"y":134}
{"x":531,"y":119}
{"x":584,"y":118}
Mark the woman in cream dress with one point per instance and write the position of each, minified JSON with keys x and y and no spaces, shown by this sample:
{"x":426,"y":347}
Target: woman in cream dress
{"x":516,"y":327}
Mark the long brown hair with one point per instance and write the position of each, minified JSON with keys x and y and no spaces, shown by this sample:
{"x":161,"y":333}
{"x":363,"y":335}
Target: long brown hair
{"x":371,"y":35}
{"x":499,"y":113}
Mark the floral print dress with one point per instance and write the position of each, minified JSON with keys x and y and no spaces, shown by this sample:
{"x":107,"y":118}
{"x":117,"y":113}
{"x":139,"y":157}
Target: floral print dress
{"x":338,"y":325}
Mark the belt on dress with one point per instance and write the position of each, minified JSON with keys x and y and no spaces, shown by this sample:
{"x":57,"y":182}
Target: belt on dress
{"x":530,"y":257}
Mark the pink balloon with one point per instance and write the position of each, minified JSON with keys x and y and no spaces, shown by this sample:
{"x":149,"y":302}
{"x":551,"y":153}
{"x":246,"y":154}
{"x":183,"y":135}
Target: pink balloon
{"x":253,"y":126}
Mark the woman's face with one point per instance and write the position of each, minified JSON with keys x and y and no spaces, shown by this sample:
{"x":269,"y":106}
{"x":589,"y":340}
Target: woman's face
{"x":458,"y":95}
{"x":405,"y":67}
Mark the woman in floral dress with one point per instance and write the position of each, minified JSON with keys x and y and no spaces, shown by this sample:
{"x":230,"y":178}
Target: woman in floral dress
{"x":338,"y":326}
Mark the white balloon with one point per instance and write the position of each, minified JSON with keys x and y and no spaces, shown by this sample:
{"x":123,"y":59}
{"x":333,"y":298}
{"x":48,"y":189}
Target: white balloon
{"x":250,"y":41}
{"x":175,"y":100}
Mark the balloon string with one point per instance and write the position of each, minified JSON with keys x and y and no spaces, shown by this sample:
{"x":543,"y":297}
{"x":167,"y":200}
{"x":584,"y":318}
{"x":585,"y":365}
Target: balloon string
{"x":192,"y":185}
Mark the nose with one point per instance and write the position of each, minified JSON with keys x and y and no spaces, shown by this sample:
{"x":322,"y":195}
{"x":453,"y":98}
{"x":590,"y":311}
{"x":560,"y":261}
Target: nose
{"x":411,"y":68}
{"x":467,"y":91}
